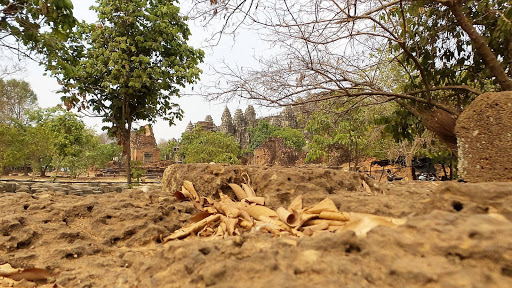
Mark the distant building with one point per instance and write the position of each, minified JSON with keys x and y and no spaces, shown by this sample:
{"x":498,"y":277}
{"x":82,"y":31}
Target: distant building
{"x":241,"y":122}
{"x":143,"y":145}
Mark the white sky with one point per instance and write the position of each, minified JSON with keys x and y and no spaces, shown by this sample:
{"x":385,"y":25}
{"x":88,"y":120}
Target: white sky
{"x":196,"y":108}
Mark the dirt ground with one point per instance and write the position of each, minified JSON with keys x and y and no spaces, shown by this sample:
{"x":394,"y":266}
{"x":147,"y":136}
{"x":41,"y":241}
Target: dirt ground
{"x":456,"y":235}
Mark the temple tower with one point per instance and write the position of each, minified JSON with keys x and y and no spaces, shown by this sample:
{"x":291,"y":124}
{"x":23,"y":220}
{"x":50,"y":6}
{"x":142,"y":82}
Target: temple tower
{"x":226,"y":125}
{"x":288,"y":118}
{"x":250,"y":116}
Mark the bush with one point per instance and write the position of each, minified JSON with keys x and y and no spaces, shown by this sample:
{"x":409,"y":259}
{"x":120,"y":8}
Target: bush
{"x":206,"y":146}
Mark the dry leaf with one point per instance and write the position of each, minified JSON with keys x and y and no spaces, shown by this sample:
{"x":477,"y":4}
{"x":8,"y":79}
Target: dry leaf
{"x":305,"y":217}
{"x":274,"y":221}
{"x":190,"y":187}
{"x":230,"y":224}
{"x":183,"y":194}
{"x":202,"y":215}
{"x":296,"y":204}
{"x":246,"y":224}
{"x":257,"y":212}
{"x":227,"y":208}
{"x":255,"y":200}
{"x":309,"y":230}
{"x":366,"y":186}
{"x":239,"y":192}
{"x":30,"y":274}
{"x":363,"y":223}
{"x":192,"y":228}
{"x":248,"y":190}
{"x":324,"y":205}
{"x":291,"y":219}
{"x":320,"y":221}
{"x":339,"y":216}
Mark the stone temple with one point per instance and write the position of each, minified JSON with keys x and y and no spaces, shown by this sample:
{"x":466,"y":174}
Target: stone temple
{"x":238,"y":125}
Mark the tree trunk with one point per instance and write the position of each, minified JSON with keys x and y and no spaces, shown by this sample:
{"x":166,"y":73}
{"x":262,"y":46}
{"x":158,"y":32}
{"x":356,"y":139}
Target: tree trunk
{"x":126,"y":133}
{"x":480,"y":45}
{"x":25,"y":169}
{"x":128,"y":155}
{"x":356,"y":164}
{"x":42,"y":171}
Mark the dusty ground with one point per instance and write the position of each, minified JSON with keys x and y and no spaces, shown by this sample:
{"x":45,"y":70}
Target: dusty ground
{"x":453,"y":237}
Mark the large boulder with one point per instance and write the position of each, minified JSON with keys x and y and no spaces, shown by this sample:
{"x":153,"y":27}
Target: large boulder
{"x":484,"y":135}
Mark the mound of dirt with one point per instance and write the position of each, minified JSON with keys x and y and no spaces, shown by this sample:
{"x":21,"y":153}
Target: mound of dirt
{"x":278,"y":185}
{"x":455,"y":235}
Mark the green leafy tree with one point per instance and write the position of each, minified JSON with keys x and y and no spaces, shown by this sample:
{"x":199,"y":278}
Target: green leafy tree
{"x":16,"y":99}
{"x":292,"y":137}
{"x":338,"y":136}
{"x":264,"y":130}
{"x":168,"y":148}
{"x":60,"y":139}
{"x":260,"y":133}
{"x":34,"y":24}
{"x":128,"y":66}
{"x":207,"y":146}
{"x":11,"y":147}
{"x":100,"y":154}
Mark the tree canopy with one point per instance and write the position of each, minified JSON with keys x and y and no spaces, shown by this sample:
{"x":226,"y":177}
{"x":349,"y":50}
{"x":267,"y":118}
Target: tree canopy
{"x":27,"y":25}
{"x":264,"y":130}
{"x":206,"y":146}
{"x":16,"y":99}
{"x":129,"y":65}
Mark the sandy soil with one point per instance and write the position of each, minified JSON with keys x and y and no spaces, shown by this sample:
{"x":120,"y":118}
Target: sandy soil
{"x":457,"y":235}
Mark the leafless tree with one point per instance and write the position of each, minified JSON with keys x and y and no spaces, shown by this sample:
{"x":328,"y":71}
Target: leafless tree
{"x":333,"y":49}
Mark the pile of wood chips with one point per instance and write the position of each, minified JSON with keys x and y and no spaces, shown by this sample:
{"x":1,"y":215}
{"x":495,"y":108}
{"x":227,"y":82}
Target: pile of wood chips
{"x":225,"y":217}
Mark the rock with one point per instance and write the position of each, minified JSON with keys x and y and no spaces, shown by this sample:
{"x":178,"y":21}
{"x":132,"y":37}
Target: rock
{"x":484,"y":135}
{"x":278,"y":185}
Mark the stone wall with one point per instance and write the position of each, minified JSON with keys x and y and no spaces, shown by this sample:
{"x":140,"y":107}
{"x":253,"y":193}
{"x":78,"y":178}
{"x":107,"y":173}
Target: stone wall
{"x":275,"y":152}
{"x":78,"y":189}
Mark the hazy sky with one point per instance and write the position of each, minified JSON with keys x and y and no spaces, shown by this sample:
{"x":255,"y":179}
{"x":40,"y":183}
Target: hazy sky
{"x":196,"y":108}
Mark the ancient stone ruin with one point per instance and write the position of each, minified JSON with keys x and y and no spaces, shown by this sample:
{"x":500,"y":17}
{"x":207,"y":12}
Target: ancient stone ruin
{"x":239,"y":124}
{"x":484,"y":135}
{"x":275,"y":152}
{"x":143,"y":145}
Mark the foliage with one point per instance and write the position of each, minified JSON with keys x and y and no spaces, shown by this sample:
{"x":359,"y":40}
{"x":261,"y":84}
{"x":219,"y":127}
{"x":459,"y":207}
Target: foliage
{"x":64,"y":139}
{"x":127,"y":67}
{"x":353,"y":133}
{"x":26,"y":20}
{"x":53,"y":138}
{"x":137,"y":171}
{"x":101,"y":154}
{"x":264,"y":130}
{"x":167,"y":148}
{"x":11,"y":146}
{"x":446,"y":55}
{"x":260,"y":133}
{"x":292,"y":137}
{"x":207,"y":146}
{"x":16,"y":98}
{"x":401,"y":125}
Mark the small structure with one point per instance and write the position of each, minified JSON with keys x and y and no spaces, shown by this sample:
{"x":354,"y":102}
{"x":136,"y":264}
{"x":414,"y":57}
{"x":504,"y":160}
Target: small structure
{"x":143,"y":145}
